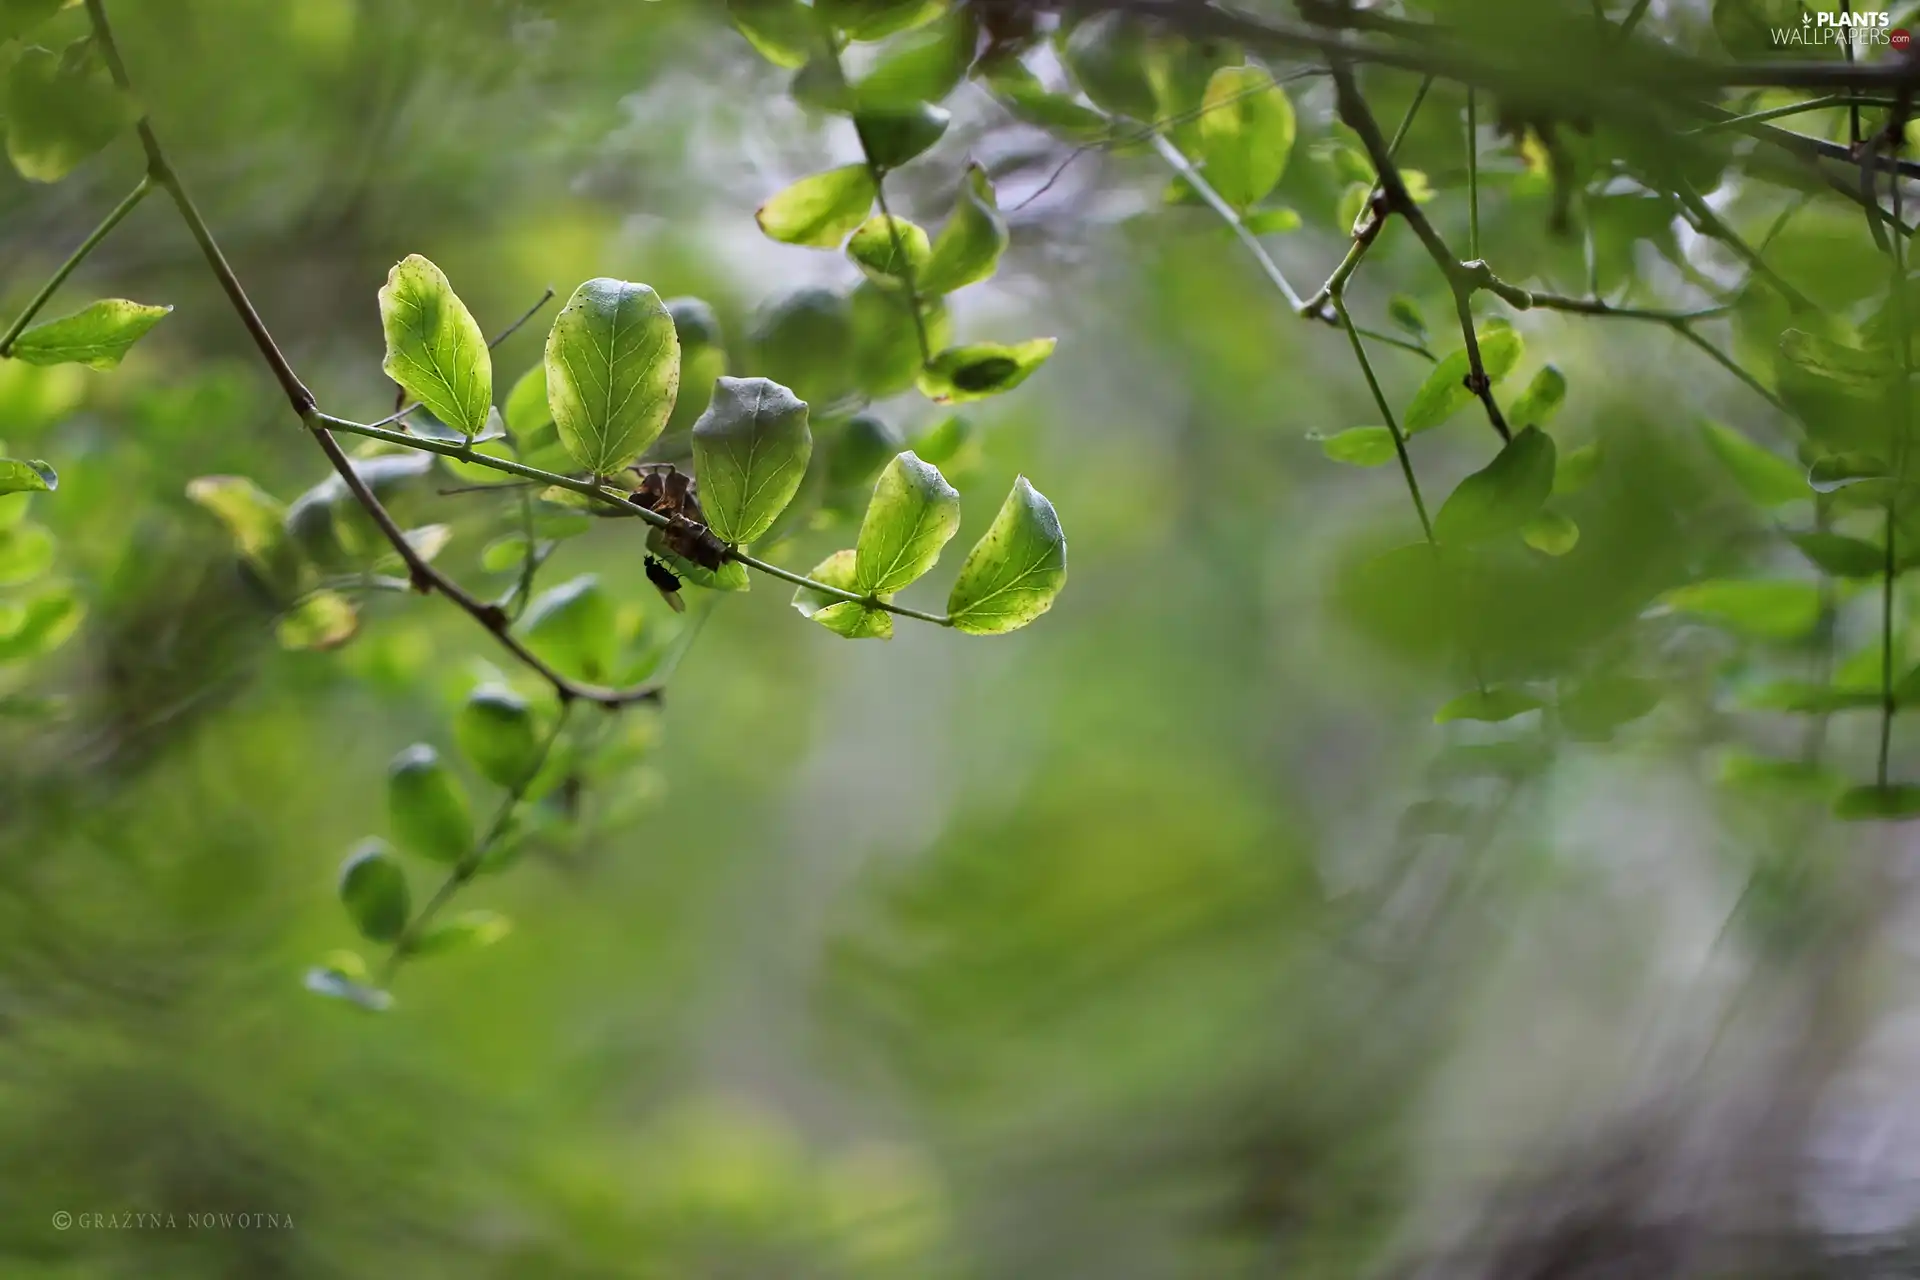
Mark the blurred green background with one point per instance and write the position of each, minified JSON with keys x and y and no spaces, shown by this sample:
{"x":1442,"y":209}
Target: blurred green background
{"x":1166,"y":937}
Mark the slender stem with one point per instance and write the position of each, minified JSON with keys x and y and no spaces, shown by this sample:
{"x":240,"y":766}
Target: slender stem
{"x":1357,"y":251}
{"x":1793,"y":109}
{"x":1358,"y":116}
{"x":464,"y":452}
{"x":1171,"y":154}
{"x":1638,"y":12}
{"x":1711,"y":224}
{"x":1473,"y":173}
{"x":1386,"y":412}
{"x":469,"y":865}
{"x":1890,"y":569}
{"x":1732,"y":366}
{"x":87,"y":246}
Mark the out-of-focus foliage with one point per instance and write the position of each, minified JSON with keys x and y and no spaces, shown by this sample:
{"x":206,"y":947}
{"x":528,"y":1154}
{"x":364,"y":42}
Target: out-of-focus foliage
{"x":1332,"y":884}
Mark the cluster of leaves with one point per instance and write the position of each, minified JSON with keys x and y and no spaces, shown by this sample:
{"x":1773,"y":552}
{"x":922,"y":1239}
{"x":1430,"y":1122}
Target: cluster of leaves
{"x":627,"y":378}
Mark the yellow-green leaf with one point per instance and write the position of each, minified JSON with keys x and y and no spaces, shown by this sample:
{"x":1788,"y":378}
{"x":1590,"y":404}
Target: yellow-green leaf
{"x":97,"y":336}
{"x":1013,"y":573}
{"x":1246,"y":134}
{"x":435,"y":349}
{"x":821,"y":210}
{"x":914,"y":513}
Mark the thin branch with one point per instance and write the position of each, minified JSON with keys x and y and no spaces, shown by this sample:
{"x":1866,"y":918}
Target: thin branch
{"x":1179,"y":164}
{"x":1386,"y":413}
{"x":1358,"y":116}
{"x":79,"y":255}
{"x":464,"y":452}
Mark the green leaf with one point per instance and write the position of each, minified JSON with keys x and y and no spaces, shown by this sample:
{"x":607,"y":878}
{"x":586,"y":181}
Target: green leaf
{"x":468,"y":931}
{"x":1491,"y":705}
{"x":1837,"y":470}
{"x":27,"y":477}
{"x":1767,"y":479}
{"x":1806,"y":698}
{"x":750,"y":451}
{"x":810,"y":339}
{"x":1013,"y":573}
{"x":885,"y":349}
{"x":1576,"y":469}
{"x":1109,"y":57}
{"x":781,"y":31}
{"x":981,"y":369}
{"x":1026,"y":99}
{"x":1893,"y":803}
{"x":20,"y":17}
{"x":573,"y":626}
{"x":877,"y":19}
{"x":864,"y":445}
{"x":97,"y":336}
{"x":427,"y":806}
{"x":1550,"y":533}
{"x":847,"y":618}
{"x":1445,"y":393}
{"x":1769,"y":775}
{"x":435,"y":349}
{"x":40,"y":624}
{"x":703,"y":359}
{"x":495,"y":732}
{"x":1407,"y":316}
{"x":1593,"y":708}
{"x":892,"y":251}
{"x":1541,"y":400}
{"x":891,"y":136}
{"x":613,"y":371}
{"x":914,"y":513}
{"x":26,"y":552}
{"x":1762,"y":609}
{"x":526,"y":410}
{"x":925,"y":64}
{"x":322,"y":620}
{"x":1841,"y":556}
{"x":1269,"y":222}
{"x":1359,"y":446}
{"x":373,"y":889}
{"x":1504,"y":496}
{"x":252,"y":516}
{"x":60,"y":109}
{"x":972,"y":240}
{"x":820,"y":211}
{"x":1246,"y":134}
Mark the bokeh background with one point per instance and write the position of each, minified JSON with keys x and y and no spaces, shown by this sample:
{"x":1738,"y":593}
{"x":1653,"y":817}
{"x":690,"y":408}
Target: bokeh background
{"x":1166,"y":937}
